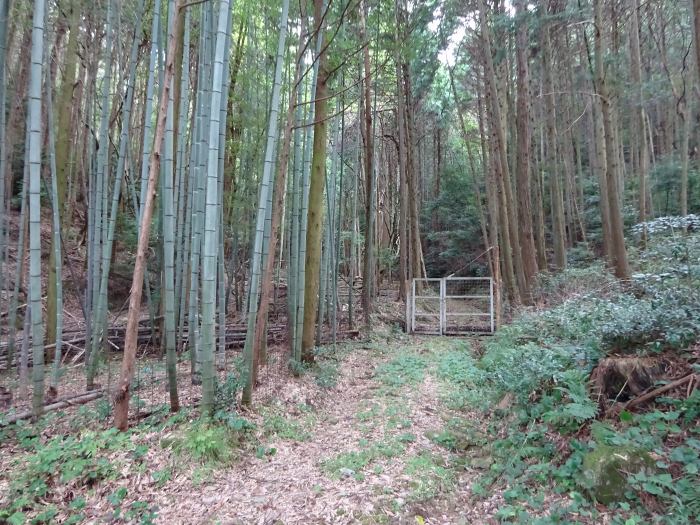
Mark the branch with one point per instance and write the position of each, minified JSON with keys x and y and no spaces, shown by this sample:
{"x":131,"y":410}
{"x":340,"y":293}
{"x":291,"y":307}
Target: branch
{"x":193,"y":3}
{"x":661,"y":390}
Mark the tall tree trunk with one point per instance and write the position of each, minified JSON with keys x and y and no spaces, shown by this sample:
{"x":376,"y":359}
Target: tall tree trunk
{"x":638,"y":127}
{"x":696,"y":36}
{"x":370,"y":219}
{"x":527,"y":241}
{"x":4,"y":16}
{"x":416,"y":266}
{"x":510,"y":247}
{"x":556,"y":196}
{"x":318,"y":180}
{"x":121,"y":397}
{"x":277,"y":204}
{"x":57,"y":258}
{"x":617,"y":238}
{"x":403,"y":190}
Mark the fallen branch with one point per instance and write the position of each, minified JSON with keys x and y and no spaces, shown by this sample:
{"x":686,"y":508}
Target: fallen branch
{"x":80,"y":399}
{"x":661,"y":390}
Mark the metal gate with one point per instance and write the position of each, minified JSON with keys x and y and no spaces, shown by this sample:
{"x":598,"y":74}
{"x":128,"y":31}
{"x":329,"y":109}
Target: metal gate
{"x":451,"y":306}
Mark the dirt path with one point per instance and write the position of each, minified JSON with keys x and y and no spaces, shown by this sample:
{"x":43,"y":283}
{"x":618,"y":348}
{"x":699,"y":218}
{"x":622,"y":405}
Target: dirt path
{"x":368,"y":436}
{"x":359,"y":452}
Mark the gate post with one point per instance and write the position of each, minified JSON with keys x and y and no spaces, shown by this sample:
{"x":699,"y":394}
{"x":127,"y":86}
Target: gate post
{"x":491,"y":304}
{"x":409,"y":298}
{"x":443,"y":306}
{"x":413,"y":306}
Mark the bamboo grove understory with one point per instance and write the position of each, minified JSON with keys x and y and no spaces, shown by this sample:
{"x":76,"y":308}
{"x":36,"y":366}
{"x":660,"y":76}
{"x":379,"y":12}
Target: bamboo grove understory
{"x":228,"y":173}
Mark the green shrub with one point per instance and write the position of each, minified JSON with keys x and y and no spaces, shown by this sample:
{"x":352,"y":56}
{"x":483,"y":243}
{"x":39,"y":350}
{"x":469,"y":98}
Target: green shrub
{"x":207,"y":442}
{"x":73,"y":461}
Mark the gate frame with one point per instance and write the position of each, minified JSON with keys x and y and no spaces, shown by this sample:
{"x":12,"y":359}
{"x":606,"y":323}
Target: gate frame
{"x":443,"y":313}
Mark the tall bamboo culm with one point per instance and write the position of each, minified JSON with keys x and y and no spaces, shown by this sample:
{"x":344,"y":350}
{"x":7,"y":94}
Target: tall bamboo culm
{"x":35,"y":142}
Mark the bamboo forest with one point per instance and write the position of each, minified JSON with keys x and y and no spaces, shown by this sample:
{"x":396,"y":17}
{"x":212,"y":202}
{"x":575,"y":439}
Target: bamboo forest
{"x":412,"y":262}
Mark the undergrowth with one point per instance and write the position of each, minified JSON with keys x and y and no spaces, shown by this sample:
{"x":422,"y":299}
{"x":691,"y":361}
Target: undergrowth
{"x":66,"y":466}
{"x":533,"y":382}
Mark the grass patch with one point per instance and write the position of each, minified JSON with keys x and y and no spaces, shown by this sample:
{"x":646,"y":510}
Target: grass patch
{"x":407,"y":368}
{"x":392,"y":415}
{"x":284,"y":427}
{"x":326,"y":374}
{"x":429,"y":476}
{"x":354,"y":462}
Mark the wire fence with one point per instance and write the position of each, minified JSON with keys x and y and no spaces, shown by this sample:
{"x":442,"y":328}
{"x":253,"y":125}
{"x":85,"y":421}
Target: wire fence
{"x":451,"y":306}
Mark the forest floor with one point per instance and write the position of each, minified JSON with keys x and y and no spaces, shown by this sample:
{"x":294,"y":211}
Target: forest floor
{"x":359,"y":438}
{"x":357,"y":442}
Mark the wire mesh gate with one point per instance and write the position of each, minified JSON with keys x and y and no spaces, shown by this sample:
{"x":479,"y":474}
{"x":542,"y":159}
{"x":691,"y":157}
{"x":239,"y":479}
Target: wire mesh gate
{"x":451,"y":306}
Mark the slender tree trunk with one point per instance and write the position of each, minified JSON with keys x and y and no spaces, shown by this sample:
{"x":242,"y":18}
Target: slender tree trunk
{"x":684,"y":114}
{"x":638,"y":127}
{"x":416,"y":263}
{"x":121,"y":397}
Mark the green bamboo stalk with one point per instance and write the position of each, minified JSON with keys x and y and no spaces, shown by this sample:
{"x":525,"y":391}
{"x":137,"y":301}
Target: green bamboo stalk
{"x":4,"y":13}
{"x":148,"y":110}
{"x":100,"y":317}
{"x":293,"y":270}
{"x":211,"y":239}
{"x":19,"y":267}
{"x":64,"y":153}
{"x":328,"y":256}
{"x":339,"y":228}
{"x":101,"y":191}
{"x":199,"y":184}
{"x":183,"y":200}
{"x":56,"y":239}
{"x":221,"y":285}
{"x":35,"y":129}
{"x":264,"y":208}
{"x":168,"y":224}
{"x":89,"y":163}
{"x":306,"y":173}
{"x":186,"y":234}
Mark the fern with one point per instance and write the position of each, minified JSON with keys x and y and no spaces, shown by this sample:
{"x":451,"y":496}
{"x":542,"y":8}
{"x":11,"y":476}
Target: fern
{"x":688,"y":496}
{"x":580,"y":407}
